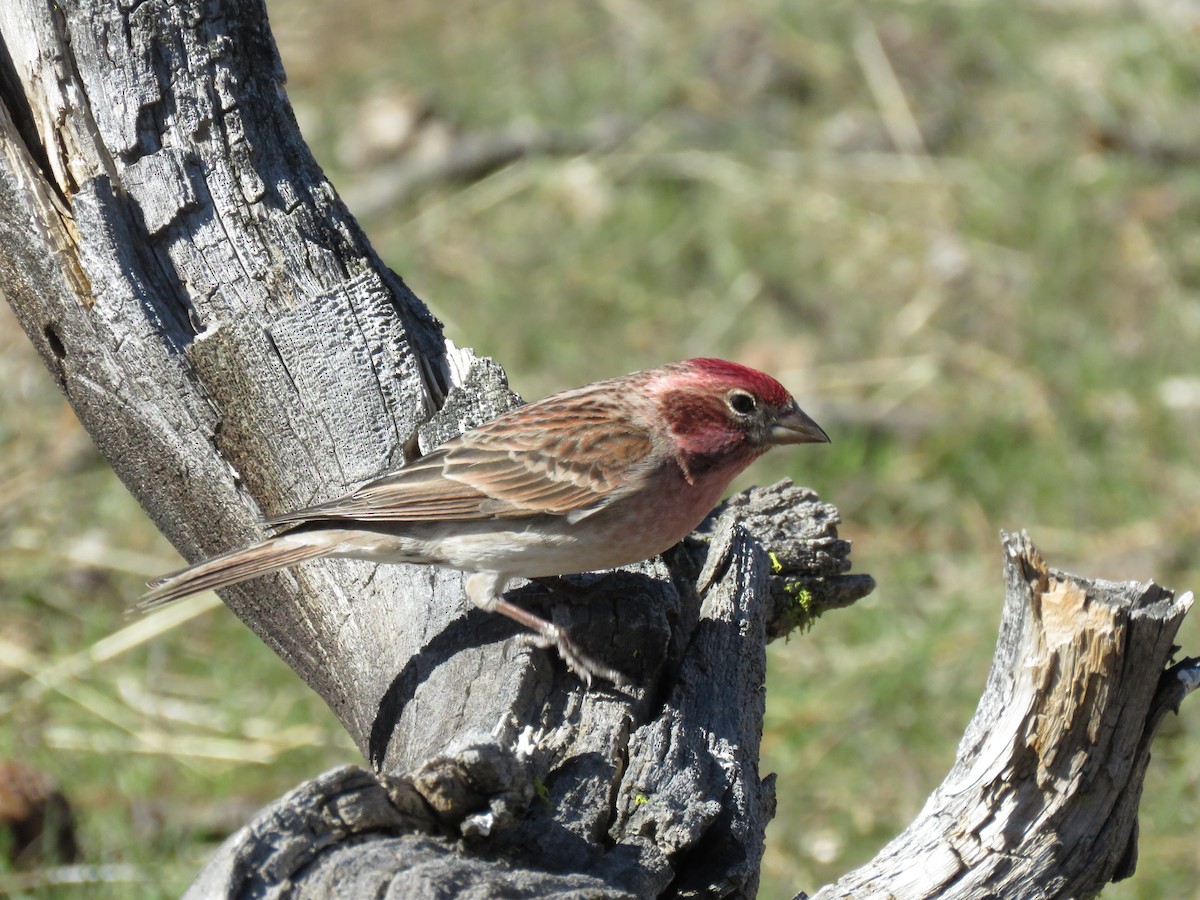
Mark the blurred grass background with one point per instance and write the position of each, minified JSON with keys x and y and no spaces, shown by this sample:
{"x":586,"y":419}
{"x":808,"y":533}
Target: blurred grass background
{"x":964,"y":234}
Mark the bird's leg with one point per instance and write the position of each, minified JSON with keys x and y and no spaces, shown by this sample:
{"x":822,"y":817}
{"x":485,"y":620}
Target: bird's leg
{"x":485,"y":589}
{"x":547,"y":634}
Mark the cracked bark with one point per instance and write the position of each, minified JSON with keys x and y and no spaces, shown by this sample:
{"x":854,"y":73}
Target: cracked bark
{"x":227,"y":335}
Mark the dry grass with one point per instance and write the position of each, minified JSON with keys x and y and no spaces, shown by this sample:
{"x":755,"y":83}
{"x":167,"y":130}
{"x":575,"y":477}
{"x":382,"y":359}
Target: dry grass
{"x":964,"y":234}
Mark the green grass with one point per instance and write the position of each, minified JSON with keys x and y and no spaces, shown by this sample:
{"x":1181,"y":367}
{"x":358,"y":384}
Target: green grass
{"x":999,"y":332}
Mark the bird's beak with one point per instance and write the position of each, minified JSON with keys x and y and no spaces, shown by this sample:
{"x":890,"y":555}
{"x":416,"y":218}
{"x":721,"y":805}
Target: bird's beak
{"x":793,"y":426}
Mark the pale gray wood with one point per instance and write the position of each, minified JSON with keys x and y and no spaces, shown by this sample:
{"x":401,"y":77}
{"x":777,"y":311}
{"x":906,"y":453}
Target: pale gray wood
{"x":1042,"y":799}
{"x":212,"y":312}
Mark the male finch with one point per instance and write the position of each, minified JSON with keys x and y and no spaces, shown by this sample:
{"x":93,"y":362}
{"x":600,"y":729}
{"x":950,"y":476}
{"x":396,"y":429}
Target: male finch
{"x":592,"y":478}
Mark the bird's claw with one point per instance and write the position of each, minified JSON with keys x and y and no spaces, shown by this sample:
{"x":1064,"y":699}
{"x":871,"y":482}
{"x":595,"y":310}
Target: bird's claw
{"x":547,"y":634}
{"x":553,"y":637}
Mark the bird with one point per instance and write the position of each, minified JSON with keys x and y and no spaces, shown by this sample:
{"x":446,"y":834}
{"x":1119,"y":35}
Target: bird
{"x":592,"y":478}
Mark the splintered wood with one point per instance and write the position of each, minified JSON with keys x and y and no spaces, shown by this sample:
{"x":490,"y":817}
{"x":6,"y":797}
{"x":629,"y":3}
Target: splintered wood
{"x":1042,"y":799}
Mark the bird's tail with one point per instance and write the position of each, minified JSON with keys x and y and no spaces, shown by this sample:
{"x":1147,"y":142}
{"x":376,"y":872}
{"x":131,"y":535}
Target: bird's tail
{"x":233,"y":567}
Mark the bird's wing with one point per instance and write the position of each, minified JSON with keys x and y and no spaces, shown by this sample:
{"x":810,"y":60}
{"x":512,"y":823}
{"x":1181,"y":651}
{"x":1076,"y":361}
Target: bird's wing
{"x":567,"y":455}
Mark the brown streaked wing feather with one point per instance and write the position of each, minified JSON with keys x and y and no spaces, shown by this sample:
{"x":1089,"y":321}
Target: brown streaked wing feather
{"x":564,"y":454}
{"x":418,"y":491}
{"x":570,"y":453}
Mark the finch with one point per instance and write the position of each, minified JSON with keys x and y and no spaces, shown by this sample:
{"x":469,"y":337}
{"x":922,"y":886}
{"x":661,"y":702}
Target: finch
{"x":592,"y":478}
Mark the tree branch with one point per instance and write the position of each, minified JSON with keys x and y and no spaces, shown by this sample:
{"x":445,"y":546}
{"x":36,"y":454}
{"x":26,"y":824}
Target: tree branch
{"x":1042,"y":799}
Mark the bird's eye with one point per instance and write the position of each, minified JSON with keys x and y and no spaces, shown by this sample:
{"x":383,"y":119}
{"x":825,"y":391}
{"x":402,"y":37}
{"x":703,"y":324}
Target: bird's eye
{"x":741,"y":403}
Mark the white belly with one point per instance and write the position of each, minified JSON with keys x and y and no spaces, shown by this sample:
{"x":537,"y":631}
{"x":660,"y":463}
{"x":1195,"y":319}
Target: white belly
{"x":529,"y":551}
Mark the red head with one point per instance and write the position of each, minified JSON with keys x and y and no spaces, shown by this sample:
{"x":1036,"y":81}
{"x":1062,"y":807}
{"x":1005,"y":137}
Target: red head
{"x":724,"y":415}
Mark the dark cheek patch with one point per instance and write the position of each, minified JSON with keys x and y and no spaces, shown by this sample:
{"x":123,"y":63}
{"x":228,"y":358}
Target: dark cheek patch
{"x":687,"y":413}
{"x":700,"y":424}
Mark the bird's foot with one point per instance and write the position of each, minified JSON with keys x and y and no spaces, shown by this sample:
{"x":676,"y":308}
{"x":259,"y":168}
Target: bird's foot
{"x":577,"y":661}
{"x":546,"y":635}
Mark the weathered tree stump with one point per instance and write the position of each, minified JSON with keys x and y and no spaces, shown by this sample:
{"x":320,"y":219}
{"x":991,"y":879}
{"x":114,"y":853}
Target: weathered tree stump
{"x":1042,"y":800}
